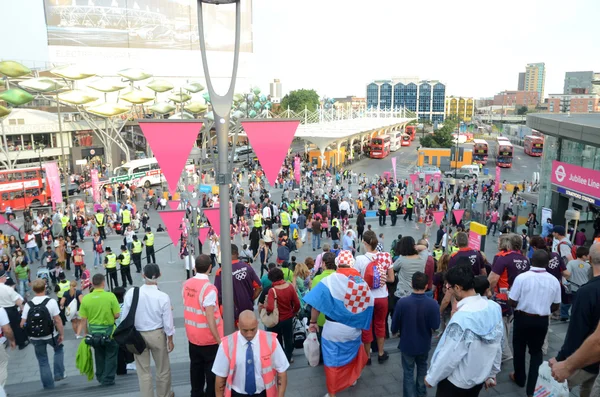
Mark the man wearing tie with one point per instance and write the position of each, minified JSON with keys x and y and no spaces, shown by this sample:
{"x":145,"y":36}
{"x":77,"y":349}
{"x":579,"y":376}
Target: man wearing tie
{"x":250,"y":362}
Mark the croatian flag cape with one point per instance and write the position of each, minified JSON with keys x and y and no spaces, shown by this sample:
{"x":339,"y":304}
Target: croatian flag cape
{"x":346,"y":300}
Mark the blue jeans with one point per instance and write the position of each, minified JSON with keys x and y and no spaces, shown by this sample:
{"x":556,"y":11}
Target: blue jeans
{"x":97,"y":259}
{"x":23,"y":287}
{"x":564,"y":310}
{"x":410,"y":388}
{"x":31,"y":251}
{"x":41,"y":353}
{"x":316,"y":241}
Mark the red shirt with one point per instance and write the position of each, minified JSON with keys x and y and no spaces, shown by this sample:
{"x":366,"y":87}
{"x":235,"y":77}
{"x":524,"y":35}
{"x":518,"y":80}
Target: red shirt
{"x":287,"y":300}
{"x":429,"y":271}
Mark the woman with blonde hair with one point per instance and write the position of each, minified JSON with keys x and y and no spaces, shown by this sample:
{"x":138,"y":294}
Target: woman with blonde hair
{"x":65,"y":304}
{"x":263,"y":253}
{"x":301,"y":275}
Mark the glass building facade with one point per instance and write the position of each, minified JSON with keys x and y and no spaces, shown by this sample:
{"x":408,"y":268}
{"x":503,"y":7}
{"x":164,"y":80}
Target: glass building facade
{"x":372,"y":95}
{"x":385,"y":96}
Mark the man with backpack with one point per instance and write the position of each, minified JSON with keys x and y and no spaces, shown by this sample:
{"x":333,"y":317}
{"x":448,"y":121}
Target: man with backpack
{"x":41,"y":320}
{"x":564,"y":247}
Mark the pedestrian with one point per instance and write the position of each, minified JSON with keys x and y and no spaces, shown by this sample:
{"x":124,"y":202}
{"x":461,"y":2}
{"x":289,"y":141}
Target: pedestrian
{"x":579,"y":270}
{"x":203,"y":326}
{"x":410,"y":204}
{"x":415,"y":318}
{"x":98,"y":249}
{"x":154,"y":321}
{"x":411,"y":258}
{"x":78,"y":256}
{"x":469,"y":352}
{"x":42,"y":323}
{"x":136,"y":253}
{"x":149,"y":242}
{"x":99,"y":309}
{"x":100,"y":219}
{"x":73,"y":294}
{"x":535,"y":294}
{"x":7,"y":338}
{"x":125,"y":261}
{"x":250,"y":362}
{"x":110,"y":264}
{"x":462,"y":242}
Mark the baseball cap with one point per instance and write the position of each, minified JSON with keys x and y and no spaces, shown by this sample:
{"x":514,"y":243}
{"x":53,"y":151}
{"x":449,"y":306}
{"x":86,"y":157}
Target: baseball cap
{"x":152,"y":271}
{"x":559,"y":229}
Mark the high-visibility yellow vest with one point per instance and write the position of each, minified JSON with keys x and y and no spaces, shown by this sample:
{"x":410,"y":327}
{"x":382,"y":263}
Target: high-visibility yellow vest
{"x":410,"y":202}
{"x":304,"y":205}
{"x":393,"y":205}
{"x":126,"y":216}
{"x":285,"y":218}
{"x":149,"y":240}
{"x":126,"y":258}
{"x":296,"y":204}
{"x":137,"y":247}
{"x":454,"y":249}
{"x":64,"y":287}
{"x":382,"y":205}
{"x":99,"y":219}
{"x":257,"y":220}
{"x":64,"y":221}
{"x":111,"y":261}
{"x":437,"y":254}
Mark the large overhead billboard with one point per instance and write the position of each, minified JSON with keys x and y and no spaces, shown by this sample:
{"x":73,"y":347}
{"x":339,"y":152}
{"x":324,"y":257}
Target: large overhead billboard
{"x":145,"y":24}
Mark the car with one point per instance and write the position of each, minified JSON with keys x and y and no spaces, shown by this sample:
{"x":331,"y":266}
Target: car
{"x":464,"y":172}
{"x":73,"y":188}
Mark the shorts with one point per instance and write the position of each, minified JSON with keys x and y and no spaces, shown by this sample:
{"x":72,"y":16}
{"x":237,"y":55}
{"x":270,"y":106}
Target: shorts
{"x":380,"y":312}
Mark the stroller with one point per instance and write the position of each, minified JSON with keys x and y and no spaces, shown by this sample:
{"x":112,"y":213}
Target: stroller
{"x":44,"y":274}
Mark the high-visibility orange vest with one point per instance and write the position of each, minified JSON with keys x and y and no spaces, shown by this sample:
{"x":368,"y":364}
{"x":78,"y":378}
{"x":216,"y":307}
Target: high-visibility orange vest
{"x":194,"y":316}
{"x":268,"y":344}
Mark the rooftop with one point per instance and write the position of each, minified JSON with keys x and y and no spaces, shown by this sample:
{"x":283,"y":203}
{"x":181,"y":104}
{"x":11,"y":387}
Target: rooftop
{"x":584,"y":128}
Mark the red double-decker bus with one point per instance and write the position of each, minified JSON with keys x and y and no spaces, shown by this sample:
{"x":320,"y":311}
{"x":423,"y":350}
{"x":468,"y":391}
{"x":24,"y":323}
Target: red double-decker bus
{"x":480,"y":151}
{"x":534,"y":145}
{"x":504,"y":156}
{"x":405,"y":140}
{"x":22,"y":188}
{"x":380,"y":147}
{"x":411,"y":131}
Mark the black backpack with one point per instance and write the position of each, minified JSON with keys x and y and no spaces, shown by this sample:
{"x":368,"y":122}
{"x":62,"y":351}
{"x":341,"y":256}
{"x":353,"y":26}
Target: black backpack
{"x":39,"y":321}
{"x":126,"y":335}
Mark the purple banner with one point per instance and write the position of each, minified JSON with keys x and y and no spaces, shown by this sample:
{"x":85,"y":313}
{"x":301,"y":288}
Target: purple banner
{"x":53,"y":180}
{"x":95,"y":186}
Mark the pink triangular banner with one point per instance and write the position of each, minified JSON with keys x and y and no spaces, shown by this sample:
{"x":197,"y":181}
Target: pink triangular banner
{"x":212,"y":215}
{"x":172,"y":221}
{"x":173,"y":204}
{"x":458,"y":215}
{"x":271,"y":141}
{"x":438,"y":216}
{"x":202,"y":233}
{"x":413,"y":178}
{"x":171,"y":142}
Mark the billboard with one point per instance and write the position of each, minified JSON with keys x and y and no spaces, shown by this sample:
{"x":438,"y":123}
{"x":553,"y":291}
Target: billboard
{"x":145,"y":24}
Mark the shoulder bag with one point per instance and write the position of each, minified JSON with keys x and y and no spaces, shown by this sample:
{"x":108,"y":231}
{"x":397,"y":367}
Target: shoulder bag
{"x":270,"y":320}
{"x":126,"y":335}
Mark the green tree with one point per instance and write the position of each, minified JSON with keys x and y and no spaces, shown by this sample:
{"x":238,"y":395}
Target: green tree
{"x":442,"y":137}
{"x":522,"y":110}
{"x":299,"y":99}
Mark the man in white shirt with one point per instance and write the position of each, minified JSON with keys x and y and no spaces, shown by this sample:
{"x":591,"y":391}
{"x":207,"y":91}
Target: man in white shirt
{"x":154,"y":320}
{"x":10,"y":300}
{"x":563,"y":245}
{"x":5,"y":334}
{"x":42,"y":338}
{"x":470,"y":350}
{"x":344,"y":208}
{"x":249,"y":358}
{"x":31,"y":246}
{"x":535,"y":294}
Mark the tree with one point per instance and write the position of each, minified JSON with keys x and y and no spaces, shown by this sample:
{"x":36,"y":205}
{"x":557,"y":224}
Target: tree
{"x":522,"y":110}
{"x":442,"y":138}
{"x":299,"y":99}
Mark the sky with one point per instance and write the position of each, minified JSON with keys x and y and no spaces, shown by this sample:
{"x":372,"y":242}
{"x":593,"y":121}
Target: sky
{"x":477,"y":48}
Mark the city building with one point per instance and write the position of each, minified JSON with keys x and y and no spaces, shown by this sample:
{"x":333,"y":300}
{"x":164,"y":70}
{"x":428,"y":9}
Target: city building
{"x":516,"y":98}
{"x":425,"y":97}
{"x":570,"y":167}
{"x":581,"y":83}
{"x":462,"y":108}
{"x":535,"y":79}
{"x":350,"y":102}
{"x":276,"y":91}
{"x":584,"y":103}
{"x":521,"y":86}
{"x":483,"y":102}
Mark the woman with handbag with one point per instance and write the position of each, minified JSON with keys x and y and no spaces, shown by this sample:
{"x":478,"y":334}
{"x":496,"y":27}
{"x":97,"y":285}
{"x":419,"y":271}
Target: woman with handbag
{"x":98,"y":249}
{"x":282,"y":304}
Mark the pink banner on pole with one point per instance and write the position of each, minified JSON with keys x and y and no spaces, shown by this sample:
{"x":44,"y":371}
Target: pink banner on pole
{"x":271,"y":141}
{"x":173,"y":204}
{"x":497,"y":184}
{"x":437,"y":178}
{"x":95,"y":186}
{"x":173,"y":221}
{"x":458,"y":215}
{"x":394,"y":167}
{"x":3,"y":220}
{"x":474,"y":240}
{"x":438,"y":216}
{"x":297,"y":169}
{"x":427,"y":178}
{"x":53,"y":179}
{"x":413,"y":178}
{"x":202,"y":233}
{"x":171,"y":142}
{"x":212,"y":214}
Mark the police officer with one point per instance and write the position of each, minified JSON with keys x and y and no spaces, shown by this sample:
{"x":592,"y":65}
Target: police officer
{"x":285,"y":221}
{"x":149,"y":241}
{"x":62,"y":286}
{"x":382,"y":210}
{"x":110,"y":264}
{"x":438,"y":251}
{"x":100,"y":223}
{"x":394,"y":210}
{"x":126,"y":218}
{"x":136,"y":253}
{"x":410,"y":204}
{"x":125,"y":260}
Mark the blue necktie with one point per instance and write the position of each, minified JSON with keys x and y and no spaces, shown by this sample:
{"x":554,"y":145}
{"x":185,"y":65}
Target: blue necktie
{"x":250,"y":380}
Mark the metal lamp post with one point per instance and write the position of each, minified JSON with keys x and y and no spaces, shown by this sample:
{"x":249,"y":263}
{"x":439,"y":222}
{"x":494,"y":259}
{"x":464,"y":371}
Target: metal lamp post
{"x":221,"y":105}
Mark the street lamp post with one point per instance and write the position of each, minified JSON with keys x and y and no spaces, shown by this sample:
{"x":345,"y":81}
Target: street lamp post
{"x":221,"y":105}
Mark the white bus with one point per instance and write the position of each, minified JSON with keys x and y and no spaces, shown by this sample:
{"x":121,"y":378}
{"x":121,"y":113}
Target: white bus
{"x":142,"y":172}
{"x":396,"y":140}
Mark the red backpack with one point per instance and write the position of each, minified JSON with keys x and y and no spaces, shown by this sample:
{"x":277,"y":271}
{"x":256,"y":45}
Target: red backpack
{"x":375,"y":274}
{"x":573,"y":249}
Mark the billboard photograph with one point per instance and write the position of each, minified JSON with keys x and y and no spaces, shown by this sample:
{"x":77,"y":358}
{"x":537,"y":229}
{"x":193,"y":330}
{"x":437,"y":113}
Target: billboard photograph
{"x":151,"y":24}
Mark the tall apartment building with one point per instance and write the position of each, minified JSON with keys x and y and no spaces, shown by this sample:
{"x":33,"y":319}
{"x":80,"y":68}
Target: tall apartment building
{"x":535,"y":78}
{"x":425,"y":97}
{"x":521,"y":85}
{"x":462,"y":108}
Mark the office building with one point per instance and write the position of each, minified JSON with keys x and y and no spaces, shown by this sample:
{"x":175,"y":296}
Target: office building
{"x":521,"y":86}
{"x":460,"y":107}
{"x":350,"y":103}
{"x":427,"y":98}
{"x":516,"y":98}
{"x":583,"y":103}
{"x":581,"y":83}
{"x":276,"y":91}
{"x":535,"y":79}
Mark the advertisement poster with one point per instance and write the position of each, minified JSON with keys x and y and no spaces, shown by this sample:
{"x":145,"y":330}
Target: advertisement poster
{"x":474,"y":240}
{"x":437,"y":178}
{"x":95,"y":186}
{"x":53,"y":179}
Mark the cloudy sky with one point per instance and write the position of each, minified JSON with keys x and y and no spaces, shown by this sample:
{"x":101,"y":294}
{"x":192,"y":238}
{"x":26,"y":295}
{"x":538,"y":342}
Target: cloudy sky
{"x":476,"y":47}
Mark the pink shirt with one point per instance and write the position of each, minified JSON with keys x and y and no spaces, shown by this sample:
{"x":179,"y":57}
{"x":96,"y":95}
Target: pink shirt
{"x":495,"y":216}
